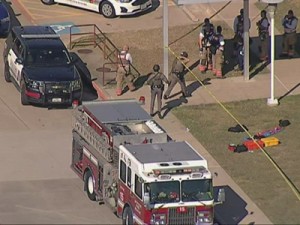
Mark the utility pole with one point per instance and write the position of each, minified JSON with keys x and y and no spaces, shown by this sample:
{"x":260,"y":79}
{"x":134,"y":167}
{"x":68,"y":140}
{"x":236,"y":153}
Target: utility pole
{"x":246,"y":40}
{"x":166,"y":37}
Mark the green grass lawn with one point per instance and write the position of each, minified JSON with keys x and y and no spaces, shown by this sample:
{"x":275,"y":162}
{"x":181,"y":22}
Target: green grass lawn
{"x":253,"y":172}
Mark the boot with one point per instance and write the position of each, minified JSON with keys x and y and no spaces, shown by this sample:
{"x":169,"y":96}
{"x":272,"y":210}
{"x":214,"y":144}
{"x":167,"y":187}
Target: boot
{"x":130,"y":86}
{"x":118,"y":92}
{"x":160,"y":116}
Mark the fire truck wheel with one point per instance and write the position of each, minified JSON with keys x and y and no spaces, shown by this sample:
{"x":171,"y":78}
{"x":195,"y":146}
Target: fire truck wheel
{"x":127,"y":216}
{"x":89,"y":185}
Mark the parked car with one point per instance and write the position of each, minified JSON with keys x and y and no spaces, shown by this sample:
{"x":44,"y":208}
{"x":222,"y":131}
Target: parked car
{"x":108,"y":8}
{"x":38,"y":63}
{"x":4,"y":20}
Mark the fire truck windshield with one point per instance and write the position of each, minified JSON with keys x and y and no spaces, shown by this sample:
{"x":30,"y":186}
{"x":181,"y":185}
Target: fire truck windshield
{"x":196,"y":190}
{"x":163,"y":192}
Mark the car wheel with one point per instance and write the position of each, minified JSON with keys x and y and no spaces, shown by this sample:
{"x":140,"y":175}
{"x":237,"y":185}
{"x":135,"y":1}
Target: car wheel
{"x":48,"y":2}
{"x":24,"y":100}
{"x":89,"y":185}
{"x":107,"y":10}
{"x":7,"y":75}
{"x":127,"y":217}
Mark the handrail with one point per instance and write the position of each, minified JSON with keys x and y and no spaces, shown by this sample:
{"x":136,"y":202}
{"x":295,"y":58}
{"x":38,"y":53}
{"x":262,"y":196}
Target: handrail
{"x":109,"y":49}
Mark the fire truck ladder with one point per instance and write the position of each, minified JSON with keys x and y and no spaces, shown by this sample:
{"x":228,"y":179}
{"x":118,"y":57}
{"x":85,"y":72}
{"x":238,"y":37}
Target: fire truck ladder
{"x":80,"y":125}
{"x":90,"y":35}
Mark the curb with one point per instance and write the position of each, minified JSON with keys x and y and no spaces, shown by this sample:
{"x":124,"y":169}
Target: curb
{"x":102,"y":95}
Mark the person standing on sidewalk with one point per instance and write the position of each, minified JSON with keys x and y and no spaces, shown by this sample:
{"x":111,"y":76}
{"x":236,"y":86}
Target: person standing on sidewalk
{"x":156,"y":81}
{"x":177,"y":75}
{"x":289,"y":38}
{"x":217,"y":49}
{"x":238,"y":28}
{"x":123,"y":71}
{"x":263,"y":34}
{"x":205,"y":35}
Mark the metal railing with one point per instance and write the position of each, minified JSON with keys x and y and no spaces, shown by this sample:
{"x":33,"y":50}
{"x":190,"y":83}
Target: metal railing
{"x":91,"y":35}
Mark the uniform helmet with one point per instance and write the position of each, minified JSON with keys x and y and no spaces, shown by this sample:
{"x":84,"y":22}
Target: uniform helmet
{"x":206,"y":20}
{"x":184,"y":54}
{"x":156,"y":68}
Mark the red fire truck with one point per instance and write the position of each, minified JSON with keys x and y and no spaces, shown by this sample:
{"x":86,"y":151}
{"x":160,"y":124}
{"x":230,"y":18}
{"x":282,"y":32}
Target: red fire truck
{"x":128,"y":162}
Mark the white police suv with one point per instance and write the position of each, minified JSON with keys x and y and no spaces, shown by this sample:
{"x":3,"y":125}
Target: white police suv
{"x":108,"y":8}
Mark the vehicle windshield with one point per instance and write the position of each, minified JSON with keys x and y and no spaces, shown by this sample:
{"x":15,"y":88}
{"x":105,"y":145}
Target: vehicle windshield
{"x":197,"y":190}
{"x":163,"y":192}
{"x":46,"y":57}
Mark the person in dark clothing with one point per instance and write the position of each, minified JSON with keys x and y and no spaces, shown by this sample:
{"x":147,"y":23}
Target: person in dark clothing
{"x":177,"y":75}
{"x":156,"y":81}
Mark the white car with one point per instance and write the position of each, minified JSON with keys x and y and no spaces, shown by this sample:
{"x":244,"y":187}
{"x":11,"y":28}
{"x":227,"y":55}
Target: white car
{"x":108,"y":8}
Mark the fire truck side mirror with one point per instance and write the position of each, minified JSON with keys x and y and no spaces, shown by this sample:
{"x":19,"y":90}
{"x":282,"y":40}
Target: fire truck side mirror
{"x":147,"y":199}
{"x":221,"y":196}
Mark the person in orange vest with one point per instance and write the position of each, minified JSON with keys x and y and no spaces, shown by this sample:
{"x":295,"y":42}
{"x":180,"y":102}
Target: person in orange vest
{"x":205,"y":35}
{"x":123,"y":71}
{"x":217,"y":49}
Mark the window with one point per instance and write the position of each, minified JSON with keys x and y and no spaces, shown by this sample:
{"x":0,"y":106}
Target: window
{"x":138,"y":186}
{"x":122,"y":171}
{"x":128,"y":177}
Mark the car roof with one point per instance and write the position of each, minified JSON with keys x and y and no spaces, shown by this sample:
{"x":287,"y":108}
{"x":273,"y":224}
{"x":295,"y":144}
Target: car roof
{"x":3,"y":11}
{"x":33,"y":30}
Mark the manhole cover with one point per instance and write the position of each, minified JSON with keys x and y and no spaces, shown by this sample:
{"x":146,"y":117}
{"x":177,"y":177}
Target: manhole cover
{"x":85,"y":51}
{"x":103,"y":69}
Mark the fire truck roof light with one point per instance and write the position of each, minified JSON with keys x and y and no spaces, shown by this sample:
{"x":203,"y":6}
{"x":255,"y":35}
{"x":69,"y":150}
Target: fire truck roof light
{"x":195,"y":171}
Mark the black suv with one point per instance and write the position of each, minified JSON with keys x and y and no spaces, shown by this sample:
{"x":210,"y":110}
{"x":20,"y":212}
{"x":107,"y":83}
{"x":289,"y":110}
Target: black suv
{"x":39,"y":64}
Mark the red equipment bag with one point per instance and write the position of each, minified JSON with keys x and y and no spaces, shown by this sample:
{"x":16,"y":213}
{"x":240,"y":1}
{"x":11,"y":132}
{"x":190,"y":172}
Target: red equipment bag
{"x":251,"y":145}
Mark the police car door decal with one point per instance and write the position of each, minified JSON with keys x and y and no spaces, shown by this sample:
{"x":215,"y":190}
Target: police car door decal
{"x":19,"y":68}
{"x":11,"y":62}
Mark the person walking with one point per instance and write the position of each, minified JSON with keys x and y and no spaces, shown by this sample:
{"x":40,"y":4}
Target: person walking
{"x":177,"y":75}
{"x":217,"y":49}
{"x":156,"y":81}
{"x":289,"y":38}
{"x":205,"y":35}
{"x":123,"y":71}
{"x":263,"y":34}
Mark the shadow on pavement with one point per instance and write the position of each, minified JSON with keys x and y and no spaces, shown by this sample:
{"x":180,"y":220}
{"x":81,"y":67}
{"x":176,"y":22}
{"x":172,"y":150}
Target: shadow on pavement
{"x":89,"y":92}
{"x":233,"y":210}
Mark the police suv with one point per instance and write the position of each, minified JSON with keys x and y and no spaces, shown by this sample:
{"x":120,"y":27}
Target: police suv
{"x":108,"y":8}
{"x":38,"y":63}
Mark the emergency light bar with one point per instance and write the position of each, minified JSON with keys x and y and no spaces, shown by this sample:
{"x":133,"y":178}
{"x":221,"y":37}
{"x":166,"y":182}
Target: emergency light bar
{"x":197,"y":170}
{"x":28,"y":36}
